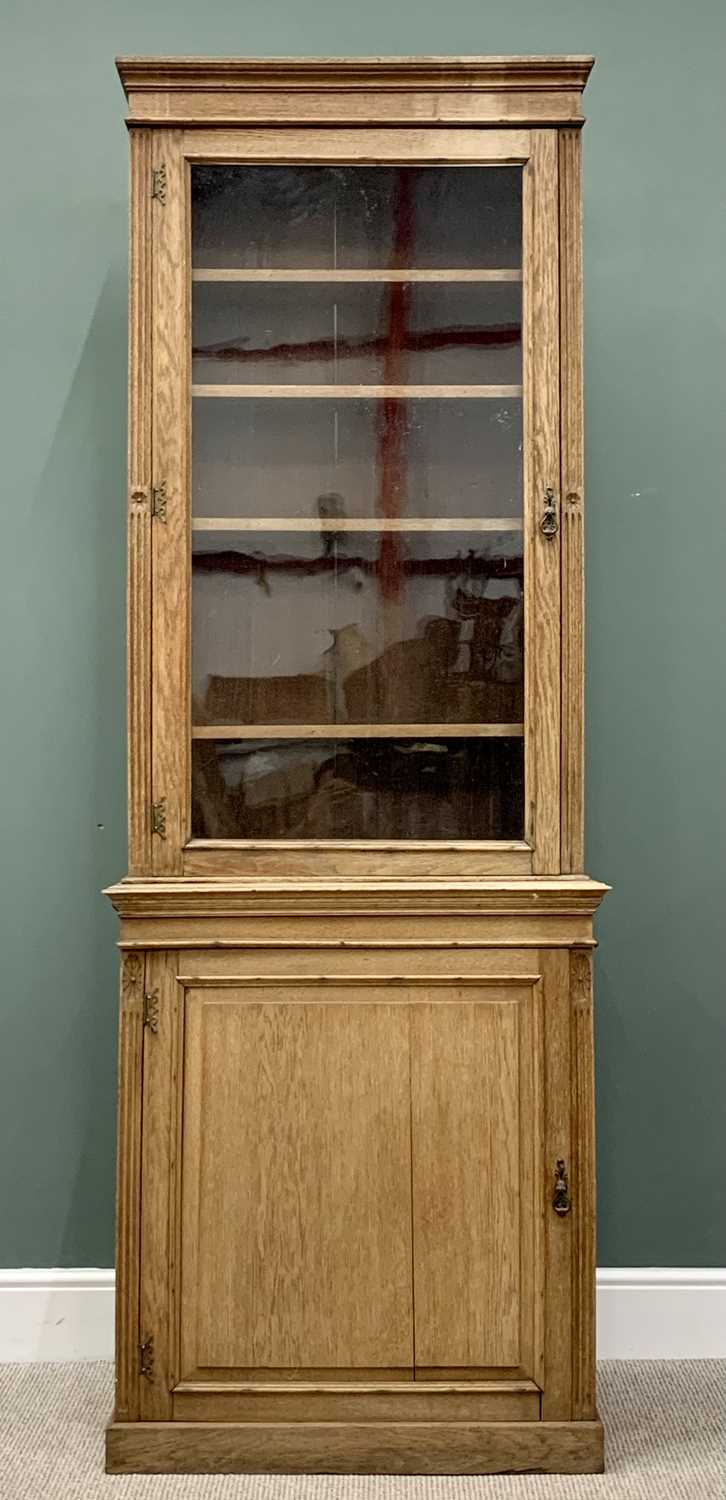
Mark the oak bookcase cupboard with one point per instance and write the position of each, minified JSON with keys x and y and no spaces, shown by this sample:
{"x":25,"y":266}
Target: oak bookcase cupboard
{"x":355,"y":1170}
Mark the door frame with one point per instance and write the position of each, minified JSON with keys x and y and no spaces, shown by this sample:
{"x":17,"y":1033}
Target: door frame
{"x":160,"y":578}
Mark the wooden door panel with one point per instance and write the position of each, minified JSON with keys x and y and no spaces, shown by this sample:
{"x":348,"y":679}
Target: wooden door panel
{"x":296,"y":1233}
{"x":477,"y":1163}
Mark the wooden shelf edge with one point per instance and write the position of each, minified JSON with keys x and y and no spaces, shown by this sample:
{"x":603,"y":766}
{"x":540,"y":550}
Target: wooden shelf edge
{"x":223,"y":275}
{"x":380,"y":846}
{"x":359,"y":392}
{"x":354,"y":524}
{"x":355,"y":731}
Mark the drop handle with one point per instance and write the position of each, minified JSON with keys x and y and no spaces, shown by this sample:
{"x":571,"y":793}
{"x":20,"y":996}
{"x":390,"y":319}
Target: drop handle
{"x":549,"y":524}
{"x":561,"y":1195}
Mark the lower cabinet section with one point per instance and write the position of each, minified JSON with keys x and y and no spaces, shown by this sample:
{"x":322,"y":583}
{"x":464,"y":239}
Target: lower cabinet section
{"x":355,"y":1206}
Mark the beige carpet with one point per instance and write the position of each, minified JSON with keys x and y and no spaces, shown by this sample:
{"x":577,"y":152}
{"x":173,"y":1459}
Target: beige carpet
{"x":664,"y":1426}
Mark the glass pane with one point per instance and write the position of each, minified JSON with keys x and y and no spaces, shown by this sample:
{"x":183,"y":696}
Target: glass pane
{"x":357,"y":789}
{"x":357,"y":571}
{"x":356,"y":217}
{"x":370,"y":627}
{"x":357,"y":333}
{"x":285,"y":457}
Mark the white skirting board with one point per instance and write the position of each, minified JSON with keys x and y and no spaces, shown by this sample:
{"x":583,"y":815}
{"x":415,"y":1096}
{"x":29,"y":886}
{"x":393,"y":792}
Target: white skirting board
{"x":643,"y":1313}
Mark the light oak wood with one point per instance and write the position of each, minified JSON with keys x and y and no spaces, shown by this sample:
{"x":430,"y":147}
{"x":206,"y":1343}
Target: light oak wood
{"x":410,"y":274}
{"x":541,"y":472}
{"x":371,"y":960}
{"x":583,"y":1165}
{"x":319,"y":74}
{"x":158,"y":1255}
{"x":518,"y":1401}
{"x":496,"y":147}
{"x":296,"y":1240}
{"x":357,"y":392}
{"x":138,"y":592}
{"x":475,"y":1183}
{"x":392,"y":1380}
{"x":528,"y":897}
{"x":450,"y":984}
{"x":354,"y":731}
{"x":572,"y":501}
{"x":349,"y":1068}
{"x":128,"y":1186}
{"x":146,"y":933}
{"x":364,"y":861}
{"x":373,"y":91}
{"x":356,"y":523}
{"x":215,"y":107}
{"x":350,"y":1448}
{"x":556,"y":1376}
{"x":171,"y":626}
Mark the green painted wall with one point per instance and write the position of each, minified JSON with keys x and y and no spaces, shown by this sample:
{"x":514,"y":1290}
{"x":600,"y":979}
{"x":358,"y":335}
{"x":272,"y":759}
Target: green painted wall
{"x":656,"y":413}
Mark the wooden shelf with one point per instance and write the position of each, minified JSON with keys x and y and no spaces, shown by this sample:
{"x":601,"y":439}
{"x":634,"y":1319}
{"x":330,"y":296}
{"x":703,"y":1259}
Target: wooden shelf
{"x":353,"y":524}
{"x":406,"y":275}
{"x":359,"y":392}
{"x":355,"y":731}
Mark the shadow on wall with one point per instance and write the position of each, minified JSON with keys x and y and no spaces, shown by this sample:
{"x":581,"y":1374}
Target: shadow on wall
{"x":655,"y":821}
{"x":66,"y":816}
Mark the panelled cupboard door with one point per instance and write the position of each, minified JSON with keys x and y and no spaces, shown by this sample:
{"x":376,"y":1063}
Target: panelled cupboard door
{"x":355,"y":379}
{"x":347,"y":1179}
{"x":296,"y":1232}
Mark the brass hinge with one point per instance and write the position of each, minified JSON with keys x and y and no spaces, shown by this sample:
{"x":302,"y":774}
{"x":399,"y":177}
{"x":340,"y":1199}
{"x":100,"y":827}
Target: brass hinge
{"x":151,"y":1011}
{"x":158,"y":183}
{"x":561,"y":1195}
{"x":146,"y":1359}
{"x":158,"y":817}
{"x":158,"y":501}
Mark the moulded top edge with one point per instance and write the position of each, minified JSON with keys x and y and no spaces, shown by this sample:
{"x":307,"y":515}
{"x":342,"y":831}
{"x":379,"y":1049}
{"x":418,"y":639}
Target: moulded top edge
{"x":550,"y":73}
{"x":185,"y":897}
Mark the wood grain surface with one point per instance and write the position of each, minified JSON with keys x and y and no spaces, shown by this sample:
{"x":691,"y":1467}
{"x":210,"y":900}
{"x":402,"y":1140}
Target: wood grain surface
{"x":348,"y":1448}
{"x":296,"y":1245}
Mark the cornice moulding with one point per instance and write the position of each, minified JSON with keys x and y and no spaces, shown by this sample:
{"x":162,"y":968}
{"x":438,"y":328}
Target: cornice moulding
{"x":396,"y":73}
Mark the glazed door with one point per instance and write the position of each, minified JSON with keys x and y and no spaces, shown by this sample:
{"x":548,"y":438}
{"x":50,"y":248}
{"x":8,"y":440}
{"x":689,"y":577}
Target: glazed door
{"x":367,"y":345}
{"x":346,"y":1181}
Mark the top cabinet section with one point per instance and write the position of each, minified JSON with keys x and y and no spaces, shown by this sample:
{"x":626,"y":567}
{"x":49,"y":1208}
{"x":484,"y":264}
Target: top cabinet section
{"x":354,"y":630}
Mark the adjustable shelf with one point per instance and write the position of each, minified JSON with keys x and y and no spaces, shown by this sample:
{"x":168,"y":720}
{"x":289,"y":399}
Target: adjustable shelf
{"x":401,"y":274}
{"x":360,"y":392}
{"x":355,"y":731}
{"x":357,"y":523}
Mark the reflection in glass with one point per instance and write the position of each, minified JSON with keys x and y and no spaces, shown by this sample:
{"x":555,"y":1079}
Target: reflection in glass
{"x":356,"y":217}
{"x":357,"y":569}
{"x":276,"y":457}
{"x":357,"y":333}
{"x":357,"y":627}
{"x":357,"y":789}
